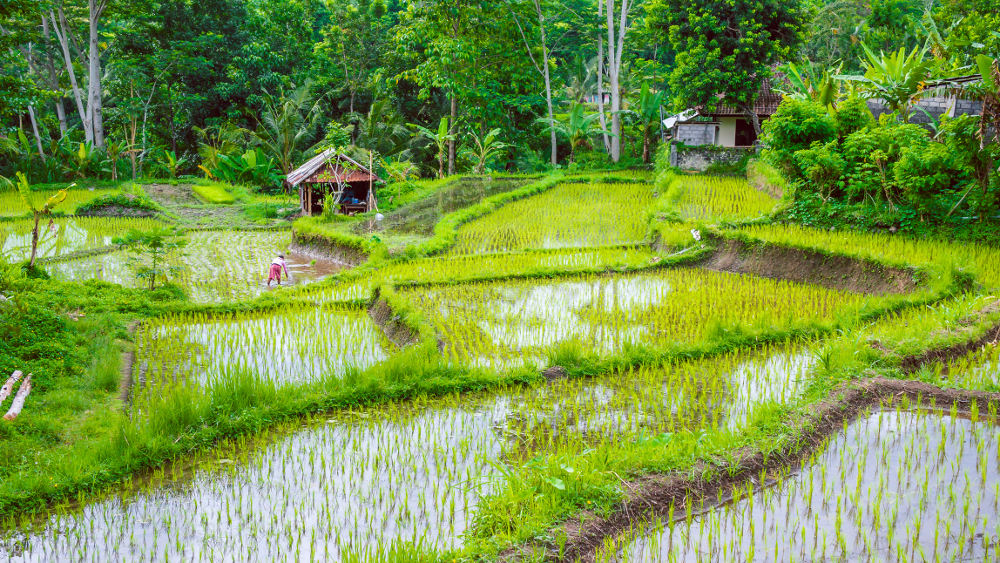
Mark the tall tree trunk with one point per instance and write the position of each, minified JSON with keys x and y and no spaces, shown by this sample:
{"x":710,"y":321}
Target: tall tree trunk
{"x":34,"y":241}
{"x":754,"y":120}
{"x":94,"y":96}
{"x":34,"y":129}
{"x":53,"y":77}
{"x":548,"y":83}
{"x":542,"y":69}
{"x":615,"y":51}
{"x":61,"y":29}
{"x":600,"y":82}
{"x":453,"y":133}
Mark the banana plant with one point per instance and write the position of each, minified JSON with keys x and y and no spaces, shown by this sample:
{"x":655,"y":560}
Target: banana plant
{"x":809,"y":83}
{"x":171,"y":164}
{"x":440,"y":138}
{"x":578,"y":127}
{"x":648,"y":112}
{"x":24,"y":190}
{"x":484,"y":148}
{"x":897,"y":78}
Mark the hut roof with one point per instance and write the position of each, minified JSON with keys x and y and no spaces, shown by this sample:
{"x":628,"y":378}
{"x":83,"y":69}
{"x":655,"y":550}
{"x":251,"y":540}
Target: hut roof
{"x":327,"y":164}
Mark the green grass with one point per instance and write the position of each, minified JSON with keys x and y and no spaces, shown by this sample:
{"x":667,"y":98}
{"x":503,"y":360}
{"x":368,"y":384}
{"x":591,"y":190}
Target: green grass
{"x":569,"y":215}
{"x":12,"y":206}
{"x":213,"y":193}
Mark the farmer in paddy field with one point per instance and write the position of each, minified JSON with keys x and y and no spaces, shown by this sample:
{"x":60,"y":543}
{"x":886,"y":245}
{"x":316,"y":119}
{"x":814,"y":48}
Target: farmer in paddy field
{"x":277,"y":265}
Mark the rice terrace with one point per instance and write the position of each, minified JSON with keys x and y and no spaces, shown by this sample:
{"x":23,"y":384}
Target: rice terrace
{"x":550,"y":281}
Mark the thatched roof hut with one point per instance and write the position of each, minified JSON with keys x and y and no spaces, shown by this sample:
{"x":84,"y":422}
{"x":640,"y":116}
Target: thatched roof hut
{"x":351,"y":184}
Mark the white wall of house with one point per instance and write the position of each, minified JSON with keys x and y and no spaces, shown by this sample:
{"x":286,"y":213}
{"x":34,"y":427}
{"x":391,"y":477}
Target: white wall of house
{"x":727,"y":132}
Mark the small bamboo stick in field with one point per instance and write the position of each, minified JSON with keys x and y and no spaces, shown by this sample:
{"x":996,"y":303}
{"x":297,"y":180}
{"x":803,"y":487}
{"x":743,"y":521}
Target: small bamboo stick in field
{"x":18,"y":403}
{"x":8,"y":387}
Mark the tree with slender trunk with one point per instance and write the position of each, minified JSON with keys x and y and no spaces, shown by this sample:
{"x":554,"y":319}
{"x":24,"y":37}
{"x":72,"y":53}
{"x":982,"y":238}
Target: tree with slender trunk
{"x":616,"y":48}
{"x":95,"y":104}
{"x":600,"y":79}
{"x":37,"y":211}
{"x":542,"y":69}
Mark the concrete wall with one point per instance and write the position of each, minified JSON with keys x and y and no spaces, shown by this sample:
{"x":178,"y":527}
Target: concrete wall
{"x":936,"y":106}
{"x":700,"y":158}
{"x":695,"y":134}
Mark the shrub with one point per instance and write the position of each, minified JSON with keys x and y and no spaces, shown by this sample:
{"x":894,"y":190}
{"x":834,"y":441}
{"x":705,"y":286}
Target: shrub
{"x":926,"y":173}
{"x":852,"y":116}
{"x":122,"y":204}
{"x":795,"y":126}
{"x":823,"y":167}
{"x":871,"y":155}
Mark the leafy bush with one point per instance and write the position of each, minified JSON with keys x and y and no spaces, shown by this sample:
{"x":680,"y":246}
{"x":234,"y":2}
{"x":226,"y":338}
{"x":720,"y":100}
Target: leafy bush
{"x":852,"y":115}
{"x":871,"y":155}
{"x":823,"y":167}
{"x":926,"y":173}
{"x":796,"y":125}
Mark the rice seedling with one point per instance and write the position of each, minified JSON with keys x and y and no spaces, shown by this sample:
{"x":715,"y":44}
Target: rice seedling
{"x":717,"y":198}
{"x":982,"y":260}
{"x":12,"y":206}
{"x":894,"y":486}
{"x":406,"y":476}
{"x":568,"y":215}
{"x":66,"y":235}
{"x":452,"y":269}
{"x":502,"y":324}
{"x":293,"y":346}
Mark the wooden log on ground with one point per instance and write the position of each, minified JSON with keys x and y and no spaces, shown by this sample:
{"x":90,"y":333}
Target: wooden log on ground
{"x":18,"y":403}
{"x":8,"y":387}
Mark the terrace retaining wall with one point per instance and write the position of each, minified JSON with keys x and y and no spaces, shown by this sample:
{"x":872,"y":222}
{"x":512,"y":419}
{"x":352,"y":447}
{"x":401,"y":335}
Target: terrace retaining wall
{"x":325,"y":248}
{"x":809,"y":266}
{"x":392,"y":326}
{"x":701,"y":157}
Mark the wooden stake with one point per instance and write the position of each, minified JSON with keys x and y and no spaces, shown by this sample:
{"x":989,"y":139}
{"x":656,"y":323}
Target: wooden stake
{"x":18,"y":403}
{"x":8,"y":387}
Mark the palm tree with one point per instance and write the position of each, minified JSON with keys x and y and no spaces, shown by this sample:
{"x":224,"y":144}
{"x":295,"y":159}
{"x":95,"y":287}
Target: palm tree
{"x":380,"y":130}
{"x":288,"y":122}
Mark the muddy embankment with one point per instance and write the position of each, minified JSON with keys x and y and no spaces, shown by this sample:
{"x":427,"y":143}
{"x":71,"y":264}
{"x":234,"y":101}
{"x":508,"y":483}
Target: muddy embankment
{"x":392,"y":325}
{"x":323,"y":248}
{"x":810,"y":266}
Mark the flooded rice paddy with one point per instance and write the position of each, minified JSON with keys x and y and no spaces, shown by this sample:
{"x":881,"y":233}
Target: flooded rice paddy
{"x":892,"y":486}
{"x":499,"y":324}
{"x":65,"y":235}
{"x":410,"y":473}
{"x":213,"y":266}
{"x":290,"y":346}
